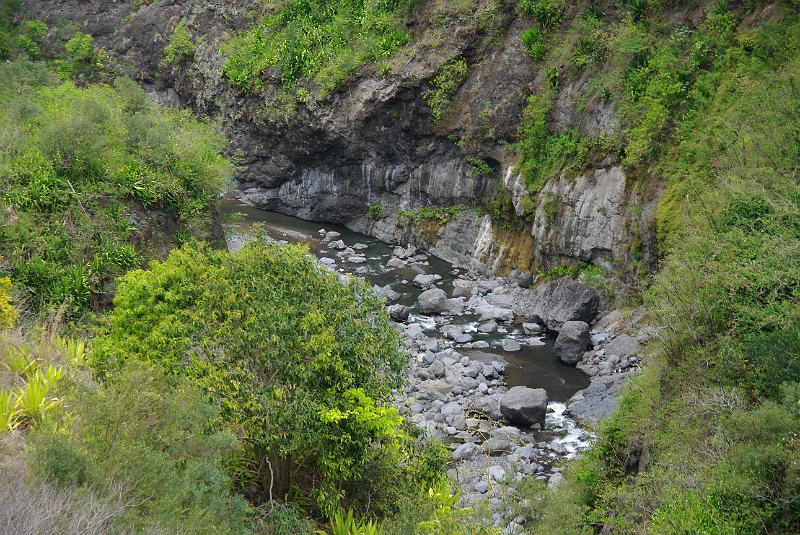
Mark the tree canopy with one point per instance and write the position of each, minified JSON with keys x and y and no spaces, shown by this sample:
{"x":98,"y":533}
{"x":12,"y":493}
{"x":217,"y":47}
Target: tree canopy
{"x":295,"y":357}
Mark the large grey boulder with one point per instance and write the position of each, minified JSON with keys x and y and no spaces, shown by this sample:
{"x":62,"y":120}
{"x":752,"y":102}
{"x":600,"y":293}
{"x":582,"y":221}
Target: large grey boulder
{"x":433,"y":302}
{"x":524,"y":406}
{"x":572,"y":341}
{"x":564,"y":300}
{"x":623,"y":346}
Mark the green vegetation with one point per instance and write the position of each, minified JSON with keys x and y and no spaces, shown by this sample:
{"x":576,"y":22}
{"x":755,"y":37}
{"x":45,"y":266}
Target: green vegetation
{"x":715,"y":413}
{"x":444,"y":86}
{"x":375,"y":211}
{"x":534,"y":45}
{"x":434,"y":213}
{"x":298,"y":363}
{"x":76,"y":165}
{"x":180,"y":47}
{"x":314,"y":40}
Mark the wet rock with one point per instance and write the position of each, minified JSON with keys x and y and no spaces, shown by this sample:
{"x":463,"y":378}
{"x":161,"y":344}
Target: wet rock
{"x":488,"y":327}
{"x":509,"y":344}
{"x":450,"y":331}
{"x":596,"y":402}
{"x":524,"y":406}
{"x":338,"y":244}
{"x":394,"y":263}
{"x":356,"y":259}
{"x":432,"y":301}
{"x":331,"y":235}
{"x":531,"y":328}
{"x":360,"y":246}
{"x":564,"y":300}
{"x":464,"y":338}
{"x":572,"y":341}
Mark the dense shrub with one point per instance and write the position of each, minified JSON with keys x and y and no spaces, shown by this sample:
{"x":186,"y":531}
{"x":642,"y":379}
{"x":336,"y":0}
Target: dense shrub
{"x":72,"y":164}
{"x":315,"y":40}
{"x":298,"y":361}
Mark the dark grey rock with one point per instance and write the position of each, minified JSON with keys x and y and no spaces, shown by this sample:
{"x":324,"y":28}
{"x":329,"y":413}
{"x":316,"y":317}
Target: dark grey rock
{"x":564,"y":300}
{"x":432,"y":301}
{"x":464,"y":338}
{"x":522,"y":279}
{"x":623,"y":346}
{"x":524,"y":406}
{"x":572,"y":341}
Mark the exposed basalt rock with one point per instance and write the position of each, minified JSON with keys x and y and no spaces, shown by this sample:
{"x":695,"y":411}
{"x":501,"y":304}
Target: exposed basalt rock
{"x":524,"y":406}
{"x":595,"y":218}
{"x":373,"y":141}
{"x":564,"y":300}
{"x":572,"y":341}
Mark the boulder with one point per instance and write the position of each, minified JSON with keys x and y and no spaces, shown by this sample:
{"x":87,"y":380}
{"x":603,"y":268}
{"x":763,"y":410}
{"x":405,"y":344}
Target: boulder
{"x":488,"y":327}
{"x":425,"y":281}
{"x":623,"y":346}
{"x":437,"y":368}
{"x":509,"y":344}
{"x":532,"y":328}
{"x":572,"y":341}
{"x":522,"y":279}
{"x":564,"y":300}
{"x":524,"y":406}
{"x":398,"y":312}
{"x":465,"y":452}
{"x":462,"y":288}
{"x":432,"y":301}
{"x":485,"y":406}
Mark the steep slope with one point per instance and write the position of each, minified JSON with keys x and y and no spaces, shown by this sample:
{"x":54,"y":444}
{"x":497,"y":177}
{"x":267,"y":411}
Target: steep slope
{"x":329,"y":155}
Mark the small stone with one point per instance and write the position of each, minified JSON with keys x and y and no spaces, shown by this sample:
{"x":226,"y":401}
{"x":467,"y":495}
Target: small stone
{"x":481,"y":486}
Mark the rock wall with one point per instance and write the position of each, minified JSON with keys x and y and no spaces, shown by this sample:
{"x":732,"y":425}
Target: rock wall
{"x":373,"y":141}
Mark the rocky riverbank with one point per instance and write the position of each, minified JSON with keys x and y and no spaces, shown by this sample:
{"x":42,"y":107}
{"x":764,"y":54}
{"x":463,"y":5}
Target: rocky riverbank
{"x":462,"y":331}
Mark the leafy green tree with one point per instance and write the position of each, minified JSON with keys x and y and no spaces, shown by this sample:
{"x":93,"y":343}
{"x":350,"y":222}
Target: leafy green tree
{"x":297,"y":360}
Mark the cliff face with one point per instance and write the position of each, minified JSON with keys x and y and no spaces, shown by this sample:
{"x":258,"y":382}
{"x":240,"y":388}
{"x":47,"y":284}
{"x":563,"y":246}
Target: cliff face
{"x":373,"y":141}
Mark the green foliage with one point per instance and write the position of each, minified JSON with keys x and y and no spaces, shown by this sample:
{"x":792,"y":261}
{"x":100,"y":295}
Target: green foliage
{"x":73,"y":163}
{"x":347,"y":525}
{"x":548,"y":13}
{"x":315,"y":40}
{"x":543,"y":155}
{"x":478,"y":167}
{"x":148,"y":435}
{"x":7,"y":313}
{"x":534,"y":45}
{"x":444,"y":86}
{"x":180,"y":46}
{"x":375,"y":211}
{"x":296,"y":360}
